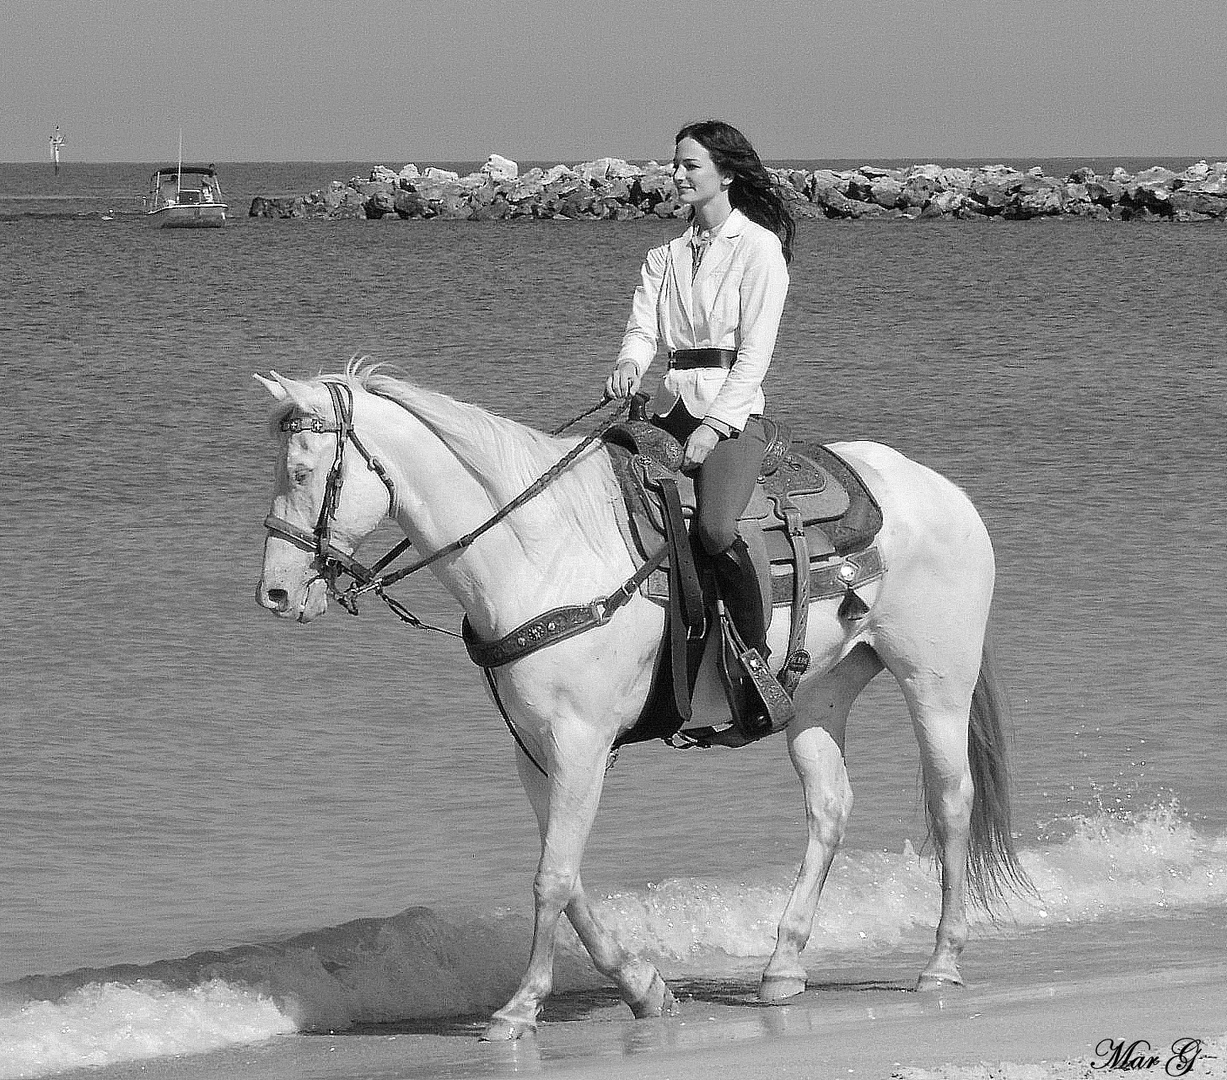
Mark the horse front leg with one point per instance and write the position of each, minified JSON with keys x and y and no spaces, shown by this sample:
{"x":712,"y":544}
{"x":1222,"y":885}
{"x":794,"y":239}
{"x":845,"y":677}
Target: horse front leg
{"x":640,"y":984}
{"x":815,"y":745}
{"x":565,"y":803}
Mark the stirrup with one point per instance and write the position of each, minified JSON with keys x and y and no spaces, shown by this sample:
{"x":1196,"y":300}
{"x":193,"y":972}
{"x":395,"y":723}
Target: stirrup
{"x":768,"y":708}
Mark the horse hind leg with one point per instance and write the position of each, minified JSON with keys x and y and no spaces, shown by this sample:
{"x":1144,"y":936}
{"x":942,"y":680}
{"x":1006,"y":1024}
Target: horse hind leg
{"x":967,"y":795}
{"x":816,"y":746}
{"x":940,"y":705}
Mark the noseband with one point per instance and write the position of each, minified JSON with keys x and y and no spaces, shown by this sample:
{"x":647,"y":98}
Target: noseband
{"x":331,"y":561}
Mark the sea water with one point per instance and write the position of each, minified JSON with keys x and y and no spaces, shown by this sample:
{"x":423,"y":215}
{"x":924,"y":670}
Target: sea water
{"x":215,"y":826}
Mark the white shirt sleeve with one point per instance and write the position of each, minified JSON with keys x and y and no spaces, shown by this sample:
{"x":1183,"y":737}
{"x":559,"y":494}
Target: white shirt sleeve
{"x":641,"y":340}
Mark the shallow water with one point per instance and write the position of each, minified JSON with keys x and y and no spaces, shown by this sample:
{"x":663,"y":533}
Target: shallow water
{"x":180,"y":772}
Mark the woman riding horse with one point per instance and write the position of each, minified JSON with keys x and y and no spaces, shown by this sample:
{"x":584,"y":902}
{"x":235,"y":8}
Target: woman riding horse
{"x":712,"y":299}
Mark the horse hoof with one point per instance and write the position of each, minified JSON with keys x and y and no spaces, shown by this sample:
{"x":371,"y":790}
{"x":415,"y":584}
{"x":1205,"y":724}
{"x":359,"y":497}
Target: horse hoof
{"x":658,"y":1001}
{"x":499,"y":1030}
{"x":780,"y":987}
{"x":927,"y":983}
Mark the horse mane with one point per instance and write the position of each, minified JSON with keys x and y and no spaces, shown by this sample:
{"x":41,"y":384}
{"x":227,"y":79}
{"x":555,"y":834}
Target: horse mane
{"x":476,"y":436}
{"x":503,"y":455}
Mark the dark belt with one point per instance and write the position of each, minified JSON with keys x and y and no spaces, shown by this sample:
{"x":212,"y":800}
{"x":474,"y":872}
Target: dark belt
{"x":683,"y":359}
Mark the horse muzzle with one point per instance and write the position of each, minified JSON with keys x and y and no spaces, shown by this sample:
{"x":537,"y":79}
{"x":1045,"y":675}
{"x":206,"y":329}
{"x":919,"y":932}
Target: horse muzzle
{"x":304,"y":604}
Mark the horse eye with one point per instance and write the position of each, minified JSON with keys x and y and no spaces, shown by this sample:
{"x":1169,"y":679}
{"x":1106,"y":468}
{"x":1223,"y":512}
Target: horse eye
{"x":299,"y":473}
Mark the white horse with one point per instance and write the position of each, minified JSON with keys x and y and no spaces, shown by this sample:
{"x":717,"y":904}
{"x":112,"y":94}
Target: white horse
{"x":442,"y":468}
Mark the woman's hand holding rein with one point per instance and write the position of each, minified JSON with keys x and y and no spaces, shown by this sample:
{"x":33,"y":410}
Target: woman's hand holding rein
{"x":623,"y":382}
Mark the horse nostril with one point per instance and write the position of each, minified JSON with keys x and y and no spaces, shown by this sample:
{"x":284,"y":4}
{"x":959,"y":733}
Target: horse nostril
{"x":278,"y":598}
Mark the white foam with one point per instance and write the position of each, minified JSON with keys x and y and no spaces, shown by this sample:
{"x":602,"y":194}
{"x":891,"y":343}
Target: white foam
{"x":108,"y":1023}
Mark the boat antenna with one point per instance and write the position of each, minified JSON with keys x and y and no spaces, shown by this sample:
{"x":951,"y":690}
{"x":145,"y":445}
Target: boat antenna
{"x":179,"y":178}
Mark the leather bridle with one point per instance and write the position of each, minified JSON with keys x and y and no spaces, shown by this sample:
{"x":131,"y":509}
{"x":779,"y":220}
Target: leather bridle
{"x":331,"y":561}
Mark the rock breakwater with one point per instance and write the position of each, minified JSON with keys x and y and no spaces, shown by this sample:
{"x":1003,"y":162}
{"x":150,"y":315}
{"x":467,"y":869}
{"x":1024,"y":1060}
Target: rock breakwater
{"x":609,"y":188}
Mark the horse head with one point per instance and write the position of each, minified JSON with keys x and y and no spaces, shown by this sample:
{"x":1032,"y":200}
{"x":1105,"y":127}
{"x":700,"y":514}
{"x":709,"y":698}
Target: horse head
{"x":325,"y":500}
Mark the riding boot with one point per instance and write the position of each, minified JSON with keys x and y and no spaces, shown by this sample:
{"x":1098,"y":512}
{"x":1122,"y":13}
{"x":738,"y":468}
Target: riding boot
{"x":743,"y":600}
{"x":766,"y":707}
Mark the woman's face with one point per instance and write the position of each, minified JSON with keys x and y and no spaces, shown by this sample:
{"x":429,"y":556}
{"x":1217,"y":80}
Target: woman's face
{"x":695,"y":175}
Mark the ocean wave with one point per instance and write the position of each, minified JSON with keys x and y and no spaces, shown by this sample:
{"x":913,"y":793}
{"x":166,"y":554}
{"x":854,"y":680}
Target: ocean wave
{"x":420,"y":965}
{"x":111,"y":1022}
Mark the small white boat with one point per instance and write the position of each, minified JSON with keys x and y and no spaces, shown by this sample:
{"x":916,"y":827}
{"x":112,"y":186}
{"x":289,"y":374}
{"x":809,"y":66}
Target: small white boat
{"x":185,"y":197}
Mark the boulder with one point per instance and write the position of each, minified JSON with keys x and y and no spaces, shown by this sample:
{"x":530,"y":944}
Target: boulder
{"x":860,"y":186}
{"x":994,"y":190}
{"x":1043,"y":202}
{"x":918,"y":192}
{"x":617,"y":188}
{"x":500,"y":168}
{"x":526,"y":187}
{"x":453,"y":207}
{"x":379,"y":203}
{"x":1074,"y":193}
{"x":886,"y":192}
{"x":496,"y":210}
{"x":925,"y":172}
{"x":833,"y":201}
{"x":655,"y":179}
{"x":667,"y":207}
{"x":410,"y":204}
{"x":1211,"y":184}
{"x":1150,"y":190}
{"x":604,"y":167}
{"x":828,"y":178}
{"x":1104,"y":192}
{"x":557,"y":173}
{"x":1186,"y":202}
{"x":947,"y":202}
{"x":582,"y":202}
{"x":806,"y":211}
{"x":956,"y":179}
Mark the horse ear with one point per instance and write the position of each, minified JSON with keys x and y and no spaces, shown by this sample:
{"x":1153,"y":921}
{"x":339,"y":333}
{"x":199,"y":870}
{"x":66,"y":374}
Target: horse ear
{"x":284,"y":389}
{"x":274,"y":388}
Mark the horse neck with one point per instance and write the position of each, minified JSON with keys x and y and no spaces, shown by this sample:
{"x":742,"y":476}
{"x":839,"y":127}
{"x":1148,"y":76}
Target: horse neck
{"x":562,"y":546}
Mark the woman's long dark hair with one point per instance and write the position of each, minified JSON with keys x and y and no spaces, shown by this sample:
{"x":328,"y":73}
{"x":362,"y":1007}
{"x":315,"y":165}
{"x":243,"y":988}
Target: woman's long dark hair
{"x":753,"y":191}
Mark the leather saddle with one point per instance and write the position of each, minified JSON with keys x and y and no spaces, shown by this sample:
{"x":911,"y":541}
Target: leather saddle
{"x":809,"y":527}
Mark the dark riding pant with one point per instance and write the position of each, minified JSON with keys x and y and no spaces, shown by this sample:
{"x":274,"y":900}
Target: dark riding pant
{"x":725,"y":480}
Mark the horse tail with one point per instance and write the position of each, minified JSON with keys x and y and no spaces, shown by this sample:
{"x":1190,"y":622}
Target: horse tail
{"x":993,"y":868}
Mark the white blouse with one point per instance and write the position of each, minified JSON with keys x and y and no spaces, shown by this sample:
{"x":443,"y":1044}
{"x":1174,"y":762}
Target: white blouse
{"x":734,"y":301}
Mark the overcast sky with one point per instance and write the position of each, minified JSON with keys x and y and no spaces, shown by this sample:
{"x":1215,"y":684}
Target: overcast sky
{"x":395,"y":81}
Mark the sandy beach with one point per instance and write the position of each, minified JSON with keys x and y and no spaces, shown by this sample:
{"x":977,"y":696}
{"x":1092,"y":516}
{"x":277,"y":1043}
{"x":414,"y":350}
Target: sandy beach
{"x":1122,"y":996}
